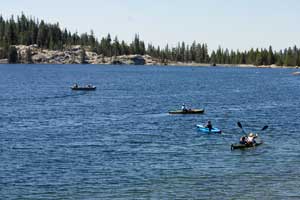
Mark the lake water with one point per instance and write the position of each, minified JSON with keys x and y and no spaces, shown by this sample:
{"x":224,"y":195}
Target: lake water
{"x":118,"y":142}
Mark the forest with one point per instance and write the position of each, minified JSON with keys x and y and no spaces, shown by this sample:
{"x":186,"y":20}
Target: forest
{"x":23,"y":30}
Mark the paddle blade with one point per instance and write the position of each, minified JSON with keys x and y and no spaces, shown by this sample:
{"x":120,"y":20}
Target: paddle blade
{"x":264,"y":128}
{"x":240,"y":125}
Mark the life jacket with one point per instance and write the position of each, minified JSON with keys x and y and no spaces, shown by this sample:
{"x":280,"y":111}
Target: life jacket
{"x":250,"y":139}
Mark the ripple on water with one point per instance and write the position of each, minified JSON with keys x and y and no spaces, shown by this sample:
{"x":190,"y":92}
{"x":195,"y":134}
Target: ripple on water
{"x":119,"y":142}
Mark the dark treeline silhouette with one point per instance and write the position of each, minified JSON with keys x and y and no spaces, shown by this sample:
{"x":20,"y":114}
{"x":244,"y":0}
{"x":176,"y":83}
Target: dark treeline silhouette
{"x":28,"y":31}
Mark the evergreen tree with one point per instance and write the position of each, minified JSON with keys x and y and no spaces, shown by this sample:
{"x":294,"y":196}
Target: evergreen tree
{"x":12,"y":55}
{"x":289,"y":59}
{"x":42,"y":35}
{"x":116,"y":47}
{"x":271,"y":59}
{"x":106,"y":46}
{"x":182,"y":52}
{"x":213,"y":59}
{"x":2,"y":53}
{"x":28,"y":58}
{"x":11,"y":32}
{"x":28,"y":31}
{"x":279,"y":58}
{"x":251,"y":58}
{"x":259,"y":59}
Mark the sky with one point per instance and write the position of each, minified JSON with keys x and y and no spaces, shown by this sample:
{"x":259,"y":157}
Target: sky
{"x":232,"y":24}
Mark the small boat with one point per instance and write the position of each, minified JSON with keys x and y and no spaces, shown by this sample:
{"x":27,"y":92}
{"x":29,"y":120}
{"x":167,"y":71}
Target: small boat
{"x":85,"y":88}
{"x":244,"y":146}
{"x":206,"y":130}
{"x":190,"y":111}
{"x":257,"y":140}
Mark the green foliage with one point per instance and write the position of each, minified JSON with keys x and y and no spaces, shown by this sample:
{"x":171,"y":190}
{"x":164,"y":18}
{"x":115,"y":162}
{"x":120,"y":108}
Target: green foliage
{"x":28,"y":31}
{"x":12,"y":55}
{"x":2,"y":53}
{"x":258,"y":59}
{"x":28,"y":58}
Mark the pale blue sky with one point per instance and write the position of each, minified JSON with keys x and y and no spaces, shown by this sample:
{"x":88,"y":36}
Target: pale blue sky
{"x":235,"y":24}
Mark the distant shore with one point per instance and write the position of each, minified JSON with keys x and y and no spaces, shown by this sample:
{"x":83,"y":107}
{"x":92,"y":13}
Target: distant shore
{"x":229,"y":65}
{"x":73,"y":55}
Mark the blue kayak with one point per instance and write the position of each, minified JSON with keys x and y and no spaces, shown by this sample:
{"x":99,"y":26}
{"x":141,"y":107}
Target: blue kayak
{"x":206,"y":130}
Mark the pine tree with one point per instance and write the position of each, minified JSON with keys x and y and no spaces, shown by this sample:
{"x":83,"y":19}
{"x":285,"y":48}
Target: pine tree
{"x":2,"y":53}
{"x":258,"y":60}
{"x":279,"y":58}
{"x":116,"y":47}
{"x":28,"y":58}
{"x":12,"y":55}
{"x":289,"y":59}
{"x":42,"y":35}
{"x":270,"y":56}
{"x":213,"y":58}
{"x":142,"y":48}
{"x":108,"y":50}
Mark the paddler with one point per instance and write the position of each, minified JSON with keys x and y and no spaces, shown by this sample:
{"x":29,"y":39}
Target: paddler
{"x":209,"y":125}
{"x":183,"y":108}
{"x":251,"y":138}
{"x":243,"y":139}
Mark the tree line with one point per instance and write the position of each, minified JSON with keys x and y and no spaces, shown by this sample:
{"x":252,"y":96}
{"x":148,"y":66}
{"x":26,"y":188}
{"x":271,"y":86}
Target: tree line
{"x":28,"y":31}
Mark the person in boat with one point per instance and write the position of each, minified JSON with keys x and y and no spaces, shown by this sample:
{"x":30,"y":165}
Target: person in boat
{"x":75,"y":85}
{"x":243,"y":139}
{"x":209,"y":125}
{"x":251,"y":138}
{"x":89,"y":86}
{"x":183,"y":108}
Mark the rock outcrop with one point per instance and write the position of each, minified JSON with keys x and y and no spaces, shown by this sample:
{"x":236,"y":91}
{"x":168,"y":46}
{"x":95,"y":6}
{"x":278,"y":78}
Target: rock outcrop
{"x":3,"y":61}
{"x":73,"y":55}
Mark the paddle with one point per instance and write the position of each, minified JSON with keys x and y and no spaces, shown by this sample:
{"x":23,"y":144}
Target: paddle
{"x":264,"y":128}
{"x":240,"y":125}
{"x":244,"y":142}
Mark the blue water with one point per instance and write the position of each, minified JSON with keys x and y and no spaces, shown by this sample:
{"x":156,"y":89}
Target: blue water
{"x":118,"y":142}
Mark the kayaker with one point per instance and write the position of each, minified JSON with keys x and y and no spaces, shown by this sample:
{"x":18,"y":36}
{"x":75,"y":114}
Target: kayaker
{"x":251,"y":138}
{"x":209,"y":125}
{"x":183,"y":108}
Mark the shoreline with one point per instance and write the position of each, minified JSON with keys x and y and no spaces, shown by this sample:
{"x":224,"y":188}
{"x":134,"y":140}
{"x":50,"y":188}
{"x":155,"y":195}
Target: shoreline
{"x":4,"y":62}
{"x":231,"y":65}
{"x":73,"y":55}
{"x":179,"y":64}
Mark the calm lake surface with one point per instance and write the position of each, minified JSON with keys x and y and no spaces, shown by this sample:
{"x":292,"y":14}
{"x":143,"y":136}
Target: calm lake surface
{"x":118,"y":142}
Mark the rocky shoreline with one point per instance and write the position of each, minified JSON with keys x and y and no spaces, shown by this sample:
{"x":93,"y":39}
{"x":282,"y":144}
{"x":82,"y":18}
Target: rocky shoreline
{"x":73,"y":55}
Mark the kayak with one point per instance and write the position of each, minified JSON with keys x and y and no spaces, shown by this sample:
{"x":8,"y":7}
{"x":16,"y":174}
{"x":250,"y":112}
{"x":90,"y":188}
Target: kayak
{"x":84,"y":88}
{"x":244,"y":146}
{"x":206,"y":130}
{"x":190,"y":111}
